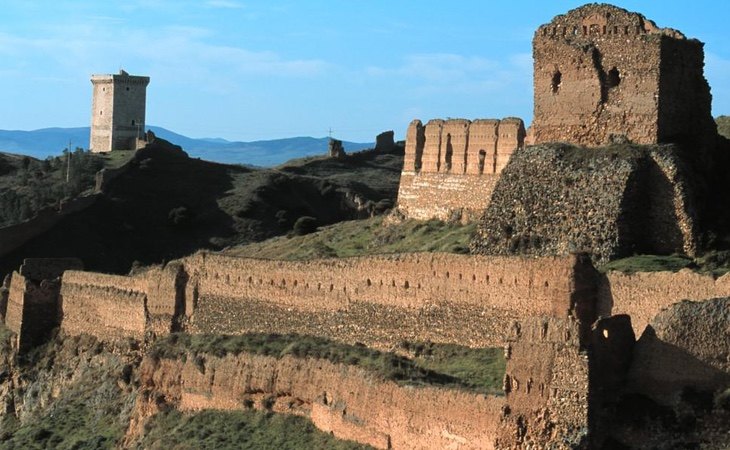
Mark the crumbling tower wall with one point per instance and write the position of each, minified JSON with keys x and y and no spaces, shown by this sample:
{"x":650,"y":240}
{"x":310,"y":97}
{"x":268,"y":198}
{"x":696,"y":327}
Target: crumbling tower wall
{"x":602,"y":73}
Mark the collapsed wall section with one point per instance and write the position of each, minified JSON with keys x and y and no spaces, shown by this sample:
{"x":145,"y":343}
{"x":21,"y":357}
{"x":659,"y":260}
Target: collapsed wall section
{"x":451,"y":166}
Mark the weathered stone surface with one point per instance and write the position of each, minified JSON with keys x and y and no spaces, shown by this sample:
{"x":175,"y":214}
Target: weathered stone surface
{"x":450,"y":166}
{"x":603,"y":73}
{"x":608,"y":202}
{"x":345,"y":400}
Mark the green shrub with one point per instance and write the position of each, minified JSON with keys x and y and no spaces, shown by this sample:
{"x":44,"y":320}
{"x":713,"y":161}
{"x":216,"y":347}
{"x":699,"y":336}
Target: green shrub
{"x":305,"y":225}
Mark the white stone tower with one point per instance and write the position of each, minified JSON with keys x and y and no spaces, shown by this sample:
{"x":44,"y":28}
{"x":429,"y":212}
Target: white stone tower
{"x":118,"y":112}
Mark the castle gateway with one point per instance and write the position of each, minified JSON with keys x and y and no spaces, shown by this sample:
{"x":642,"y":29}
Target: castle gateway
{"x":118,"y":111}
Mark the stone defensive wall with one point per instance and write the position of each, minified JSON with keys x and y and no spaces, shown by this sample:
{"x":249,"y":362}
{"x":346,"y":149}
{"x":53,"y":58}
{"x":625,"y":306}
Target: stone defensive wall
{"x":116,"y":306}
{"x":379,"y":300}
{"x":346,"y":401}
{"x":450,"y":166}
{"x":107,"y":306}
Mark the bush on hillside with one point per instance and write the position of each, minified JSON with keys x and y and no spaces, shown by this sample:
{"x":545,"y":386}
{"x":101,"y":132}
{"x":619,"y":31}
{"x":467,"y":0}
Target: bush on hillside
{"x":305,"y":225}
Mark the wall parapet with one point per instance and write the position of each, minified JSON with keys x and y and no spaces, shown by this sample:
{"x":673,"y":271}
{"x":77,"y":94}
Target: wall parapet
{"x":450,"y":166}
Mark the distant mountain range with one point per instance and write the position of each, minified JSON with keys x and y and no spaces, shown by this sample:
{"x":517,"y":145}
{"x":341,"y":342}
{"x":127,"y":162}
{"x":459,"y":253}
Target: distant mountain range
{"x":51,"y":141}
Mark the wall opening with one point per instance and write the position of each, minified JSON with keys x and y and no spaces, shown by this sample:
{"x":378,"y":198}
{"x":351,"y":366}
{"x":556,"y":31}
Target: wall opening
{"x":557,"y":80}
{"x":482,"y":158}
{"x":449,"y":153}
{"x":614,"y":78}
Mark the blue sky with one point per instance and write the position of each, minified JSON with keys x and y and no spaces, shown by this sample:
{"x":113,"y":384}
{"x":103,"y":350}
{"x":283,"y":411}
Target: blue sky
{"x":249,"y":70}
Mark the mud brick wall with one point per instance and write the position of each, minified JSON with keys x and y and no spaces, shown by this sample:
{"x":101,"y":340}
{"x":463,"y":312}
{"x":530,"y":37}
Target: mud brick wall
{"x":450,"y":166}
{"x":345,"y":400}
{"x":106,"y":306}
{"x":381,"y":299}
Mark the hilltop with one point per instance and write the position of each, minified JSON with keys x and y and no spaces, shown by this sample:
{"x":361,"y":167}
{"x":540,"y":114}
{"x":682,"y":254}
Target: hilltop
{"x":164,"y":204}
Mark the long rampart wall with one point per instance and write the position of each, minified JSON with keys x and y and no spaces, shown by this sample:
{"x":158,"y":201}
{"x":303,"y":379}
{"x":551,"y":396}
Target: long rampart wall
{"x":529,"y":285}
{"x":643,"y":295}
{"x":379,"y":300}
{"x":337,"y":398}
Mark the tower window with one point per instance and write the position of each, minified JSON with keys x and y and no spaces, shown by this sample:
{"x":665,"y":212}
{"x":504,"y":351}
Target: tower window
{"x":482,"y":158}
{"x":127,"y":87}
{"x":133,"y":123}
{"x":557,"y":80}
{"x":101,"y":113}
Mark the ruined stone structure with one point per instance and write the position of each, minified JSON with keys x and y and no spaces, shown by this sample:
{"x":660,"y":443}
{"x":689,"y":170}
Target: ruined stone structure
{"x":561,"y":361}
{"x":118,"y":112}
{"x":604,"y":74}
{"x":451,"y":166}
{"x":384,"y":142}
{"x":335,"y":148}
{"x":33,"y":308}
{"x":557,"y":199}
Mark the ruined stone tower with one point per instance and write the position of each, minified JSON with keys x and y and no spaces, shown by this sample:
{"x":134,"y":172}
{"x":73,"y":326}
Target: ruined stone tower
{"x":604,"y":74}
{"x":117,"y":111}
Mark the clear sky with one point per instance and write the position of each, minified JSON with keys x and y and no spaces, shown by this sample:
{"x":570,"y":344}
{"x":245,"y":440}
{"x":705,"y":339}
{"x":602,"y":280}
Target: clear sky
{"x":249,"y":70}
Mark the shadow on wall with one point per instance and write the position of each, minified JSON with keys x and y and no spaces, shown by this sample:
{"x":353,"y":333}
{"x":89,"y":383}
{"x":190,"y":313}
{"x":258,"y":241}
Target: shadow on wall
{"x":662,"y":370}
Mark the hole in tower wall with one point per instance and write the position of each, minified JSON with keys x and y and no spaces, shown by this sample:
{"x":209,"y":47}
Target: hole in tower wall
{"x":614,"y":78}
{"x":482,"y":158}
{"x":557,"y":80}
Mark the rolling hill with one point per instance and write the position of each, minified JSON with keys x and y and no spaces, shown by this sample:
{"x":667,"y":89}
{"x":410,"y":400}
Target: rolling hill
{"x":51,"y":141}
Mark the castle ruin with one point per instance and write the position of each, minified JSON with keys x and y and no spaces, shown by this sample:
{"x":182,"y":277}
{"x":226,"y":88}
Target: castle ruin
{"x":450,"y":166}
{"x":118,"y":112}
{"x":603,"y":74}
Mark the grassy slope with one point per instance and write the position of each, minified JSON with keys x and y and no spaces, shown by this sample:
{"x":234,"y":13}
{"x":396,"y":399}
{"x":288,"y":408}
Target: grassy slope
{"x":363,"y":237}
{"x":221,"y":205}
